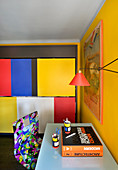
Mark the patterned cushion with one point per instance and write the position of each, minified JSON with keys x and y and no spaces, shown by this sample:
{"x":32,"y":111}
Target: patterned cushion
{"x":27,"y":142}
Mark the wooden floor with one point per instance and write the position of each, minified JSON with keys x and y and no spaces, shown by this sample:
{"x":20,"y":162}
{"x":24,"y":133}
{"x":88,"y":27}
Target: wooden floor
{"x":7,"y":159}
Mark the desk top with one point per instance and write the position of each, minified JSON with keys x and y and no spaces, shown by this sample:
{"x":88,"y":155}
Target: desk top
{"x":51,"y":159}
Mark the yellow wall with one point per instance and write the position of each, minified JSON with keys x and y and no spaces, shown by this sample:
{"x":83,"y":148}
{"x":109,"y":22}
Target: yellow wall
{"x":109,"y":130}
{"x":8,"y":114}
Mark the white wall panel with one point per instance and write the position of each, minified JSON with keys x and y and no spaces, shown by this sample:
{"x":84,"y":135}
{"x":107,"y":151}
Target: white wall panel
{"x":44,"y":106}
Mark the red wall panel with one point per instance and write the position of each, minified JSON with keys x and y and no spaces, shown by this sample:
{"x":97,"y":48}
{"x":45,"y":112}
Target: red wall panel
{"x":64,"y":107}
{"x":5,"y":77}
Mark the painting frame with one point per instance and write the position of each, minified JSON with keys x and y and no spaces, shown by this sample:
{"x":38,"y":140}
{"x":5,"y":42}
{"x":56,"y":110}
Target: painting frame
{"x":93,"y":58}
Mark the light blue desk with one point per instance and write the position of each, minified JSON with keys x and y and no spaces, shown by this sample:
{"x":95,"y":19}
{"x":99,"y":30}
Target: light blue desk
{"x":51,"y":159}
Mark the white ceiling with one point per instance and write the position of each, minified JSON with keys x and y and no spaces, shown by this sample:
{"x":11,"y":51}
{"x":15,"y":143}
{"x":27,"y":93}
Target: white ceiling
{"x":46,"y":20}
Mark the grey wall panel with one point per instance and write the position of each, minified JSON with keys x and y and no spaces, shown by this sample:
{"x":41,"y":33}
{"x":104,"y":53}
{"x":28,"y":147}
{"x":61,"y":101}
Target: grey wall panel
{"x":38,"y":51}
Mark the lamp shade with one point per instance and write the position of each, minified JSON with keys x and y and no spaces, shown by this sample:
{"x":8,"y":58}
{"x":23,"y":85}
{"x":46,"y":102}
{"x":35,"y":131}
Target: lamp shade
{"x":79,"y":80}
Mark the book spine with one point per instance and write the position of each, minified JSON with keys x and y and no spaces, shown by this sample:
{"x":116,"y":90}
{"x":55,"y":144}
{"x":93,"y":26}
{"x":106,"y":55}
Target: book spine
{"x":82,"y":151}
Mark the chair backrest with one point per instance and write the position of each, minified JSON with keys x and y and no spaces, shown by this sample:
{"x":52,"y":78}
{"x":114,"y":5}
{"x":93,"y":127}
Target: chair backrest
{"x":25,"y":126}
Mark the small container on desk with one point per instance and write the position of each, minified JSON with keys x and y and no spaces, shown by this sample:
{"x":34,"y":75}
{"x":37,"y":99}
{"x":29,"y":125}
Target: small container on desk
{"x":55,"y":139}
{"x":67,"y":126}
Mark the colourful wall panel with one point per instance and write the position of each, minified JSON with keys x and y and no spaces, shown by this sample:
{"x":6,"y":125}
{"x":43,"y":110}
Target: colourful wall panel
{"x":21,"y":77}
{"x":54,"y":76}
{"x":5,"y":77}
{"x":64,"y":107}
{"x":44,"y":106}
{"x":8,"y":114}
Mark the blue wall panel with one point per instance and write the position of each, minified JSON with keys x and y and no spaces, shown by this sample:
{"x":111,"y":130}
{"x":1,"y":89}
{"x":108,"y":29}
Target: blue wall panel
{"x":21,"y":77}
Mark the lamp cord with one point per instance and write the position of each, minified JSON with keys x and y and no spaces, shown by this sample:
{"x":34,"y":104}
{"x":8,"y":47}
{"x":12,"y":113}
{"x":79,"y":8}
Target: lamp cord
{"x":102,"y":68}
{"x":110,"y":70}
{"x":108,"y":64}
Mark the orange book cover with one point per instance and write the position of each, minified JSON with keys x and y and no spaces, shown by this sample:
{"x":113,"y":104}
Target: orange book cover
{"x":81,"y":142}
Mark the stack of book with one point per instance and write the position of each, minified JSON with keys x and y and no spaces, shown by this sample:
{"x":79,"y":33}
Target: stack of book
{"x":81,"y":142}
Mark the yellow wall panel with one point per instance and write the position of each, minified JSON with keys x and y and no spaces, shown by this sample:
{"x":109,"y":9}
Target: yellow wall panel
{"x":54,"y":76}
{"x":8,"y":114}
{"x":109,"y":130}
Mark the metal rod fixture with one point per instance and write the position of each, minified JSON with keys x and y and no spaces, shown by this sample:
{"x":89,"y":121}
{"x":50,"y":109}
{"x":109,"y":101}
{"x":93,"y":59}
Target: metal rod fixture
{"x":108,"y":64}
{"x":102,"y":68}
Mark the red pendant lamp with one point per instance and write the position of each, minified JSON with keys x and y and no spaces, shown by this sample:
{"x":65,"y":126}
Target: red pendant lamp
{"x":79,"y":80}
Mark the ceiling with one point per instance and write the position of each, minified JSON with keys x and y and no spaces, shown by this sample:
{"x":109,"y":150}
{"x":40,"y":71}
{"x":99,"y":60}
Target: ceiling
{"x":46,"y":20}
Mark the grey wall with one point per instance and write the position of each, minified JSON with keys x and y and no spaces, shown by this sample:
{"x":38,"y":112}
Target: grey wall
{"x":38,"y":51}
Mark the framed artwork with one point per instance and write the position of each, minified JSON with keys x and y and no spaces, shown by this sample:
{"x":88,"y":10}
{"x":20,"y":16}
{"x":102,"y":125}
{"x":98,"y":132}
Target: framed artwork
{"x":93,"y":57}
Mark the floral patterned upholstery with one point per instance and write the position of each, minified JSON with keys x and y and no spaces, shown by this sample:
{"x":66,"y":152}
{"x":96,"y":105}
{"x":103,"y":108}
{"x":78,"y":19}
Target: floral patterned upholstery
{"x":27,"y":142}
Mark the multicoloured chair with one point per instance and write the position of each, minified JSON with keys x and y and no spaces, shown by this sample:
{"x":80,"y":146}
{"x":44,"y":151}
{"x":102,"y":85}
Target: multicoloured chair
{"x":27,"y":142}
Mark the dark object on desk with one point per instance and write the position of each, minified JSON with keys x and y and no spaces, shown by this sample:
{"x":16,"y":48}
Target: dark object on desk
{"x":81,"y":142}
